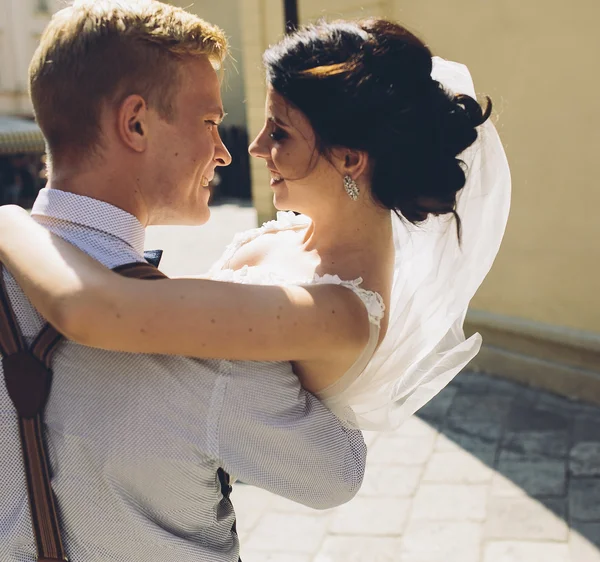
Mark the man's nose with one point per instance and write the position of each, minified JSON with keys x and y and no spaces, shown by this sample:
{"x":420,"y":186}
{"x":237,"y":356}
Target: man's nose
{"x":222,"y":155}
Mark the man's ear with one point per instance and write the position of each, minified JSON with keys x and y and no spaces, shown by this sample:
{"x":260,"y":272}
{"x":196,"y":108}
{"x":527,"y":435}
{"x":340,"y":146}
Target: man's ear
{"x":132,"y":122}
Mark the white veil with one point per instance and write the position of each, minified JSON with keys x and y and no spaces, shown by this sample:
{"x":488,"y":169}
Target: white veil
{"x":434,"y":280}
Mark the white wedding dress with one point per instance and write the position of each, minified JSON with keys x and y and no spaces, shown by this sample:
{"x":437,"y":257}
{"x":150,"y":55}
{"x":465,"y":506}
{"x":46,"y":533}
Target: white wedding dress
{"x":435,"y":278}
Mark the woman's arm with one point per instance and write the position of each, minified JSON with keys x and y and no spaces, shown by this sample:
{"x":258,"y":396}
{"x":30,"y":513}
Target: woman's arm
{"x":94,"y":306}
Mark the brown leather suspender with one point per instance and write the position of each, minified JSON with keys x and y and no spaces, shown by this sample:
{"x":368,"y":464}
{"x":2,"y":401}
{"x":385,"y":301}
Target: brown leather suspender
{"x":139,"y":270}
{"x":28,"y":378}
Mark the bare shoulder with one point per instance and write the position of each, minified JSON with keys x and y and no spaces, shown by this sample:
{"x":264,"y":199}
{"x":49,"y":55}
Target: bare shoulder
{"x":253,"y":252}
{"x":250,"y":253}
{"x":266,"y":246}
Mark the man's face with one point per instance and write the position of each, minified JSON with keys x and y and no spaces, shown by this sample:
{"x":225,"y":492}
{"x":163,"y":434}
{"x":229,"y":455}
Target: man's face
{"x":185,"y":152}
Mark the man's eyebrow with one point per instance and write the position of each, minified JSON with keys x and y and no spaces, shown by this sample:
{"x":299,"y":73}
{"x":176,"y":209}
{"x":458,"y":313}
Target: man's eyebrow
{"x":217,"y":111}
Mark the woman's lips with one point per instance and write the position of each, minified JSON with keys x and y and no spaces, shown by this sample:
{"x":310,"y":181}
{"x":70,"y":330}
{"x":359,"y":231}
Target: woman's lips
{"x":275,"y":177}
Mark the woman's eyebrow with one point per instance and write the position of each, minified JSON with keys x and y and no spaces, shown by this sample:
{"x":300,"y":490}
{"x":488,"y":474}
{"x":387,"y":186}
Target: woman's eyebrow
{"x":277,"y":122}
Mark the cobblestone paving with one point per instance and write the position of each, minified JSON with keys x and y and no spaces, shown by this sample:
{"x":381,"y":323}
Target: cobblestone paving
{"x":489,"y":471}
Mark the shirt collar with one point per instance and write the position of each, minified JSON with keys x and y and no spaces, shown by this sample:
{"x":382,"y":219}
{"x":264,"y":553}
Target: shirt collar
{"x":90,"y":213}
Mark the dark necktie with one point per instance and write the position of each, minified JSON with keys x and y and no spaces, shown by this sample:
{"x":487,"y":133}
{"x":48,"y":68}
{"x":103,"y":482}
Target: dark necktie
{"x":153,"y":257}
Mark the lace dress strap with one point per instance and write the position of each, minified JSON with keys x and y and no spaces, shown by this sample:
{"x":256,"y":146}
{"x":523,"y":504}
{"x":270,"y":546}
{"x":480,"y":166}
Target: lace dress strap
{"x":372,"y":300}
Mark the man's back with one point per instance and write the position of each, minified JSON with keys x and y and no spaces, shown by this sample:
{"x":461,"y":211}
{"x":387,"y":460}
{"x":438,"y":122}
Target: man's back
{"x":135,"y":441}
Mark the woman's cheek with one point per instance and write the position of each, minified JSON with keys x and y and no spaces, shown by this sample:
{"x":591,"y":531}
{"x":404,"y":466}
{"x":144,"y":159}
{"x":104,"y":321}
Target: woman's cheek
{"x":282,"y":157}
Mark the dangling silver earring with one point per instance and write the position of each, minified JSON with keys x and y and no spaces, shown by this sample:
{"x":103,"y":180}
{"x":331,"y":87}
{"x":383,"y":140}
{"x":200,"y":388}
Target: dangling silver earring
{"x":351,"y":187}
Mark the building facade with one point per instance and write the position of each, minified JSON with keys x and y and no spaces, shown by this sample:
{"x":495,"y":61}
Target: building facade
{"x":21,"y":25}
{"x":21,"y":142}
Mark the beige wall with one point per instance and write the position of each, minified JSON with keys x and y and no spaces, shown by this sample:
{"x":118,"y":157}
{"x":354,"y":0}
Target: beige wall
{"x":311,"y":10}
{"x":538,"y":62}
{"x":536,"y":59}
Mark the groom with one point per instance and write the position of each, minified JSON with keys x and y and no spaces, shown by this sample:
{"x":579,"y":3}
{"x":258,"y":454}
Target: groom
{"x":127,"y":96}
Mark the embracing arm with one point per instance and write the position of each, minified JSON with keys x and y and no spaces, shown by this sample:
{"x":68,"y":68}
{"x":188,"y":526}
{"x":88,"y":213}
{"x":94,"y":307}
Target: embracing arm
{"x":92,"y":305}
{"x":283,"y":439}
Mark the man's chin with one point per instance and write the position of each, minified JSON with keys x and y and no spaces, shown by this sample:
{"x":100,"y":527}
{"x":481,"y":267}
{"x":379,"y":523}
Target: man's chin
{"x":205,"y":218}
{"x":196,"y":220}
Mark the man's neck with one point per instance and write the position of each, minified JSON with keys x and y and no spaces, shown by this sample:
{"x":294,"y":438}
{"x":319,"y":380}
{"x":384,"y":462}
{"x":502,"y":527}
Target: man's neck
{"x":103,"y":187}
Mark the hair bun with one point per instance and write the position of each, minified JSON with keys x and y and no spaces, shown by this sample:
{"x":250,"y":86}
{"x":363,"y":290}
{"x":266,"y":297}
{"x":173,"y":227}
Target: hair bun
{"x":374,"y":79}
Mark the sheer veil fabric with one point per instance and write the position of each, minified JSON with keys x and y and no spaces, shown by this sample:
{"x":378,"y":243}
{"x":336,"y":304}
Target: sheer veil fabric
{"x":435,"y":279}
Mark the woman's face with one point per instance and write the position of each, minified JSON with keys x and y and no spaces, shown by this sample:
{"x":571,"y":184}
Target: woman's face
{"x":300,"y":175}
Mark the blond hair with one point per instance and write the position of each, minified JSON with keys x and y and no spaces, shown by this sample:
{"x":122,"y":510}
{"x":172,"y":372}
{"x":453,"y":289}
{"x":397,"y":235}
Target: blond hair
{"x":100,"y":51}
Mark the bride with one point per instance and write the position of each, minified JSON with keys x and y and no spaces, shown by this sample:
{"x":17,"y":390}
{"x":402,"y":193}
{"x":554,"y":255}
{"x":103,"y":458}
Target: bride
{"x":403,"y":189}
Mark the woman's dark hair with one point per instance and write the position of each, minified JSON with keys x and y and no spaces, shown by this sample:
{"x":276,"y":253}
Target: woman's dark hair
{"x":367,"y":86}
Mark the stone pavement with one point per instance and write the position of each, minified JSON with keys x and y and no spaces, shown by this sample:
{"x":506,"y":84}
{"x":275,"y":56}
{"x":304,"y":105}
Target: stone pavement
{"x":489,"y":471}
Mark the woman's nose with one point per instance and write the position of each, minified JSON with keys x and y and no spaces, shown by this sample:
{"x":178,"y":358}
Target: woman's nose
{"x":258,"y":147}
